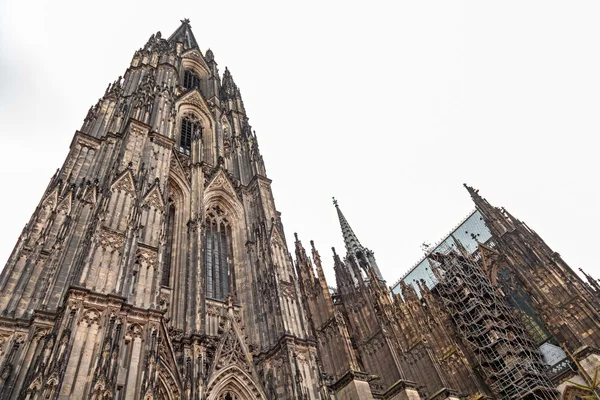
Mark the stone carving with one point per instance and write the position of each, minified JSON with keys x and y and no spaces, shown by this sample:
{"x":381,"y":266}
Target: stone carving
{"x":135,"y":330}
{"x":125,"y":184}
{"x":154,"y":198}
{"x":90,"y":317}
{"x":108,"y":238}
{"x":147,"y":257}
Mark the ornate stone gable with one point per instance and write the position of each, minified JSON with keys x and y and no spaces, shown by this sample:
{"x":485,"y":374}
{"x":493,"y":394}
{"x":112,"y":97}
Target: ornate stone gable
{"x":90,"y":194}
{"x":231,"y":352}
{"x":275,"y":237}
{"x":195,"y":98}
{"x":167,"y":367}
{"x":194,"y":54}
{"x":51,"y":199}
{"x":220,"y":181}
{"x":233,"y":370}
{"x":65,"y":203}
{"x":178,"y":169}
{"x":154,"y":198}
{"x":125,"y":183}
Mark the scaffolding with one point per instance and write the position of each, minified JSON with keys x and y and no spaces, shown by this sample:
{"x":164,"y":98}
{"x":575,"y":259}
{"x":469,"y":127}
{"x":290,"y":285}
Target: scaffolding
{"x":508,"y":357}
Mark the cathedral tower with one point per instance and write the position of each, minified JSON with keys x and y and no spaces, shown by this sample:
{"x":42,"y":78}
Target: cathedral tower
{"x":155,"y":265}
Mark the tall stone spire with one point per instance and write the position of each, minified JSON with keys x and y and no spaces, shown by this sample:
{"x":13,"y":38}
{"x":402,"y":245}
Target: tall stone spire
{"x":480,"y":203}
{"x":350,"y":239}
{"x":185,"y":35}
{"x":149,"y":226}
{"x":364,"y":257}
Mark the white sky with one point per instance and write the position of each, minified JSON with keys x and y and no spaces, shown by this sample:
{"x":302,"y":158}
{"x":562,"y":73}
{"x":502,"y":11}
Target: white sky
{"x":389,"y":106}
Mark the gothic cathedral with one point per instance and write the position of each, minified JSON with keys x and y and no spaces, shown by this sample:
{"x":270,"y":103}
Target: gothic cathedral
{"x":156,"y":267}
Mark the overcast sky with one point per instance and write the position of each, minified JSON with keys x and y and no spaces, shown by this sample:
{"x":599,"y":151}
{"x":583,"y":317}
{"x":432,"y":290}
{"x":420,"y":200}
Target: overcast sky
{"x":389,"y":106}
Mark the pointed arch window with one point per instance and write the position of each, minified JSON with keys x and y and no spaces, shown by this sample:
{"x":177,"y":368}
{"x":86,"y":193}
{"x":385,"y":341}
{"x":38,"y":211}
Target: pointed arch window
{"x":191,"y":80}
{"x":523,"y":305}
{"x":190,"y":126}
{"x":166,"y":274}
{"x":217,"y":253}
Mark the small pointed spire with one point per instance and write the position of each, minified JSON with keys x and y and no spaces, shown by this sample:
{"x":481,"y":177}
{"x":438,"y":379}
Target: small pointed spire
{"x":459,"y":246}
{"x":472,"y":191}
{"x":314,"y":250}
{"x":301,"y":257}
{"x":228,"y":87}
{"x":209,"y":55}
{"x":481,"y":204}
{"x":317,"y":260}
{"x":593,"y":282}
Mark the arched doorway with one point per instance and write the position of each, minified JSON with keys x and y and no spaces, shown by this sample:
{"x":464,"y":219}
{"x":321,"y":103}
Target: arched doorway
{"x":233,"y":384}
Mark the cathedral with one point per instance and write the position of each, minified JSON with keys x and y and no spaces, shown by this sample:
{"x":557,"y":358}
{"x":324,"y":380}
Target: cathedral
{"x":156,"y":267}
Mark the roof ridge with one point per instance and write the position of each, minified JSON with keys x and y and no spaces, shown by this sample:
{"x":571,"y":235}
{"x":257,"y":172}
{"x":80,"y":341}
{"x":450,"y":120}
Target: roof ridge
{"x":432,"y":248}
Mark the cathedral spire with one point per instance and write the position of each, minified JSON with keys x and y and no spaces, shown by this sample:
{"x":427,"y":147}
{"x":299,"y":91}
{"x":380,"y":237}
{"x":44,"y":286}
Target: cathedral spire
{"x":350,"y":239}
{"x":363,"y":256}
{"x":184,"y":34}
{"x":480,"y":203}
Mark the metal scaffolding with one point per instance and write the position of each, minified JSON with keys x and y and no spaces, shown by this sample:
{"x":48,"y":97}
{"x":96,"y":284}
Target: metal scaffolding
{"x":506,"y":354}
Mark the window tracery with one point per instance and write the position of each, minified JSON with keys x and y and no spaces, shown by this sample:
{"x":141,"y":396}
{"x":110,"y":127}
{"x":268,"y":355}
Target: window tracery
{"x":190,"y":127}
{"x":191,"y":80}
{"x":522,"y":304}
{"x":217,"y":253}
{"x":166,"y":273}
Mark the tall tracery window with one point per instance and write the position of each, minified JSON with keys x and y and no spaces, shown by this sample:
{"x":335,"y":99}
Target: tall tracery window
{"x":166,"y":275}
{"x":217,"y":253}
{"x":191,"y":80}
{"x":523,"y":305}
{"x":190,"y":126}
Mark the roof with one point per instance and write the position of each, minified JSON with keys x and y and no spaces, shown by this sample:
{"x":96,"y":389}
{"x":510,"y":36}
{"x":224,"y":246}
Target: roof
{"x":468,"y":233}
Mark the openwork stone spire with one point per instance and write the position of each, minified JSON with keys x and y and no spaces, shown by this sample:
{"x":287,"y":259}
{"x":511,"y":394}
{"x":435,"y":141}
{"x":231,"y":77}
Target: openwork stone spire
{"x":363,"y":256}
{"x":185,"y":35}
{"x":350,"y":240}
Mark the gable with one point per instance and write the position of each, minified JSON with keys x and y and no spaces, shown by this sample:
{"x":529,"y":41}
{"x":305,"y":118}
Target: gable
{"x":154,"y":198}
{"x":197,"y":59}
{"x":276,"y":237}
{"x":177,"y":170}
{"x":51,"y":200}
{"x":233,"y":366}
{"x":220,"y":181}
{"x":124,"y":183}
{"x":65,"y":204}
{"x":89,"y":196}
{"x":194,"y":98}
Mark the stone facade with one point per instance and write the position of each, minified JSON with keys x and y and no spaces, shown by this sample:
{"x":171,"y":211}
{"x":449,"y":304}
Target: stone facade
{"x":156,"y":267}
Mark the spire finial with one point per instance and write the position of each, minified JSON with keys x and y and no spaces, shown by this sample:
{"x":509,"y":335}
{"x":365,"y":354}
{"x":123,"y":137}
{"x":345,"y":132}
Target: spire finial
{"x":472,"y":191}
{"x":335,"y":203}
{"x":185,"y":21}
